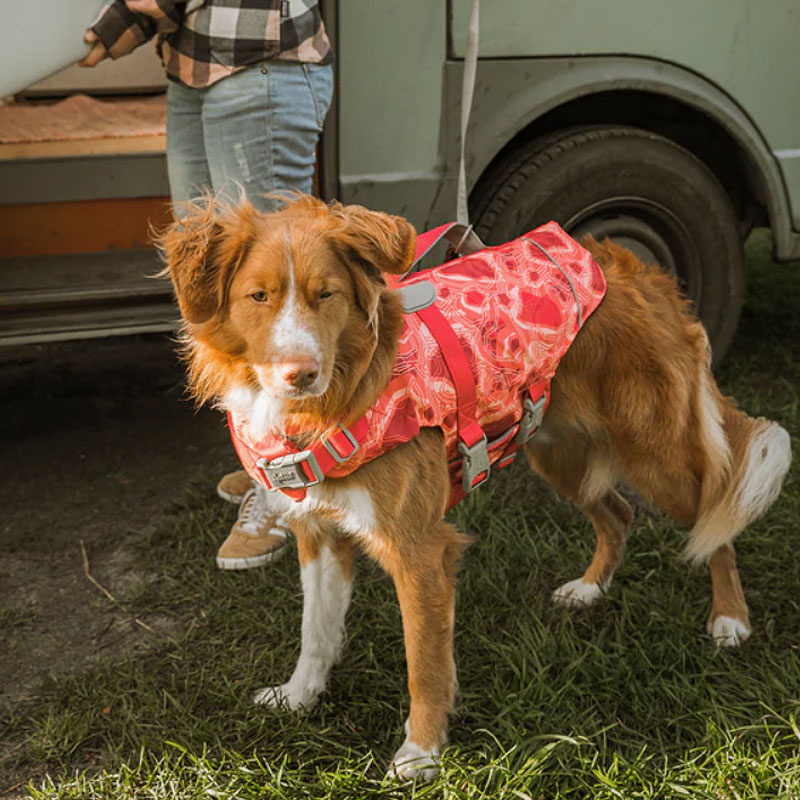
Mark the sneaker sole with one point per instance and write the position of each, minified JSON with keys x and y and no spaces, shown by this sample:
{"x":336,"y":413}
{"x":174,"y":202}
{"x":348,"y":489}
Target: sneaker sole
{"x":252,"y":561}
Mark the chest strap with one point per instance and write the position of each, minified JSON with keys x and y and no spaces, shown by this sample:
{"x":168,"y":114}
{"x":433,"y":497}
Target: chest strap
{"x":295,"y":471}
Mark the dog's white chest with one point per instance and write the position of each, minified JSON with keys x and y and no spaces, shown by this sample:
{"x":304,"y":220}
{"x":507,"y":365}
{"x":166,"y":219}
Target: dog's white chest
{"x":352,"y":507}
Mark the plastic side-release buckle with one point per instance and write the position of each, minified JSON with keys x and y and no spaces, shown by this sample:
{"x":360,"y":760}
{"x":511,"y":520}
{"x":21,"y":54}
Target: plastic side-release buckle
{"x":532,"y":416}
{"x":475,"y":466}
{"x":287,"y":472}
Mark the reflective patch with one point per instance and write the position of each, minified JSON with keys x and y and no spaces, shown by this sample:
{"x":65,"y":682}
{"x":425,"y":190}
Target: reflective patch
{"x":416,"y":296}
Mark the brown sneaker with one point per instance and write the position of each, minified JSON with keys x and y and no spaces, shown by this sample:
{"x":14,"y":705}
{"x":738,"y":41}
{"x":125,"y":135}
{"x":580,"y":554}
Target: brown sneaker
{"x":257,"y":536}
{"x":234,"y":486}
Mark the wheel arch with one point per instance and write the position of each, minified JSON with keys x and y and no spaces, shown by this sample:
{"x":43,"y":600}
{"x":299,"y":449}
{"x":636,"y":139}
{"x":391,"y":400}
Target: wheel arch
{"x":546,"y":95}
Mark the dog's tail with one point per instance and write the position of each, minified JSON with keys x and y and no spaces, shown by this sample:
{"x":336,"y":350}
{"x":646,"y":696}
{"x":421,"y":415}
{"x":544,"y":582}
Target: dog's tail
{"x":746,"y":461}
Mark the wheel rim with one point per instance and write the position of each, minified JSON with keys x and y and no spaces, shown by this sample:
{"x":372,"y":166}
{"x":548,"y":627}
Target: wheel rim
{"x":651,"y":231}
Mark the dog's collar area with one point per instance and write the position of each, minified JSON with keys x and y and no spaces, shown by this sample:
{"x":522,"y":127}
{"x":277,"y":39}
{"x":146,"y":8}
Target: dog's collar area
{"x":299,"y":470}
{"x":292,"y":471}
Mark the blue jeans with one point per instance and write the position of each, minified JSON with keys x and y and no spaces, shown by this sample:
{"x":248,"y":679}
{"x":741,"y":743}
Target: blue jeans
{"x":256,"y":129}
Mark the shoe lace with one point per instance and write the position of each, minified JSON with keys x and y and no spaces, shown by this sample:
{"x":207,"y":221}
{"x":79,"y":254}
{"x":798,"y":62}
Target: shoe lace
{"x":252,"y":509}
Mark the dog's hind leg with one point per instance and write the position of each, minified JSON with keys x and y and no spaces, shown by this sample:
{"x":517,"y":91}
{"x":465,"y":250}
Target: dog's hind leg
{"x":762,"y":449}
{"x":760,"y":458}
{"x":716,"y":483}
{"x":610,"y":516}
{"x":326,"y":566}
{"x":583,"y":474}
{"x":729,"y":622}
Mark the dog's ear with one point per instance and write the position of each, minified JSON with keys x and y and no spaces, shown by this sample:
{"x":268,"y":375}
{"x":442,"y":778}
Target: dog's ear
{"x":375,"y":241}
{"x":371,"y":243}
{"x":203,"y":249}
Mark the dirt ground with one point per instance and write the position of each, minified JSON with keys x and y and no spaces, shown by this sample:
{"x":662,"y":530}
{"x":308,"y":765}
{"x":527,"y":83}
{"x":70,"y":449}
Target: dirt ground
{"x":96,"y":439}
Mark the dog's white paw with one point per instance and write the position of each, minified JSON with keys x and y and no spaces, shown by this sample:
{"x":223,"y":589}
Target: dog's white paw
{"x":728,"y":632}
{"x":411,"y":763}
{"x":291,"y":696}
{"x":577,"y":593}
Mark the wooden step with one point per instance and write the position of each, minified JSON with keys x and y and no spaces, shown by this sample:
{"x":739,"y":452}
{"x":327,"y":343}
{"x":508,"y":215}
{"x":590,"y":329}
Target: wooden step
{"x":87,"y":323}
{"x":82,"y":295}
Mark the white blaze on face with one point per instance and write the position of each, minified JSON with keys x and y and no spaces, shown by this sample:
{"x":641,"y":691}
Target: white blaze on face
{"x":290,"y":337}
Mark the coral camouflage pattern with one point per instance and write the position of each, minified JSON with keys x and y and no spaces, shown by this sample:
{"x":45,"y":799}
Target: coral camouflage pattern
{"x":515,"y":308}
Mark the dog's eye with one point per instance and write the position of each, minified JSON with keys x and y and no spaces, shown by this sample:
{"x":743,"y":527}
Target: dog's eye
{"x":325,"y":294}
{"x":259,"y":297}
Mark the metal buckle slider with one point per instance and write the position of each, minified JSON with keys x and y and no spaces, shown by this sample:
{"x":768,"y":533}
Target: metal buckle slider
{"x":286,"y":472}
{"x":532,"y":416}
{"x":335,"y":453}
{"x":474,"y":461}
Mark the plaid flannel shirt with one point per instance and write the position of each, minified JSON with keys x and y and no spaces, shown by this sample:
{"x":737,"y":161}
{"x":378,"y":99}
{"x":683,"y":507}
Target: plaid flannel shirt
{"x":202,"y":41}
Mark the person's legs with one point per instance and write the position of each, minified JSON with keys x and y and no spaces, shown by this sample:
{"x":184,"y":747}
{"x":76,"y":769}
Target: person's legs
{"x":187,"y":164}
{"x":251,"y":541}
{"x":261,"y":128}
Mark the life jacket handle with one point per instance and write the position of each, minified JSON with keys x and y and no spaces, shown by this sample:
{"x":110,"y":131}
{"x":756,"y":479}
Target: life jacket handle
{"x":462,"y":238}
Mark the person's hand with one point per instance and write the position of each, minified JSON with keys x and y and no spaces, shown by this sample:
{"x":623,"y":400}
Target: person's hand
{"x":147,"y":7}
{"x":97,"y":53}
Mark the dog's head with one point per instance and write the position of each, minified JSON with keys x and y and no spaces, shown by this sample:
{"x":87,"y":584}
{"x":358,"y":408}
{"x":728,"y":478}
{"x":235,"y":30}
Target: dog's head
{"x":293,"y":297}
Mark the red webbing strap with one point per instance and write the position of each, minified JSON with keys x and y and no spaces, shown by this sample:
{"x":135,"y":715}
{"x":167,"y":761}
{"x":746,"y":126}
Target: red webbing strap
{"x":457,"y":494}
{"x":469,"y":431}
{"x":337,"y":441}
{"x":298,"y":495}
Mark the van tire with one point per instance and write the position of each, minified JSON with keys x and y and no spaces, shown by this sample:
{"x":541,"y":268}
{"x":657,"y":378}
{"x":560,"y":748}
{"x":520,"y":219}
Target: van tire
{"x":632,"y":186}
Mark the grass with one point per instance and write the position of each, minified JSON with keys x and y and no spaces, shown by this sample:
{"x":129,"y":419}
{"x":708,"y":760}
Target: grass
{"x":627,"y":699}
{"x":11,"y":617}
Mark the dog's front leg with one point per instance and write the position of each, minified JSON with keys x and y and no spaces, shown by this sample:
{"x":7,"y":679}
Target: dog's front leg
{"x":326,"y":566}
{"x":426,"y":590}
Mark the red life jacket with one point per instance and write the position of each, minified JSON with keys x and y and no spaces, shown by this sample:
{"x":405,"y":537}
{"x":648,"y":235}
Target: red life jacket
{"x":475,"y":362}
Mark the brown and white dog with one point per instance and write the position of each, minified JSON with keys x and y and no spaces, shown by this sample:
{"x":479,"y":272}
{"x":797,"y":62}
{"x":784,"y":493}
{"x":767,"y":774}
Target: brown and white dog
{"x":289,"y":322}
